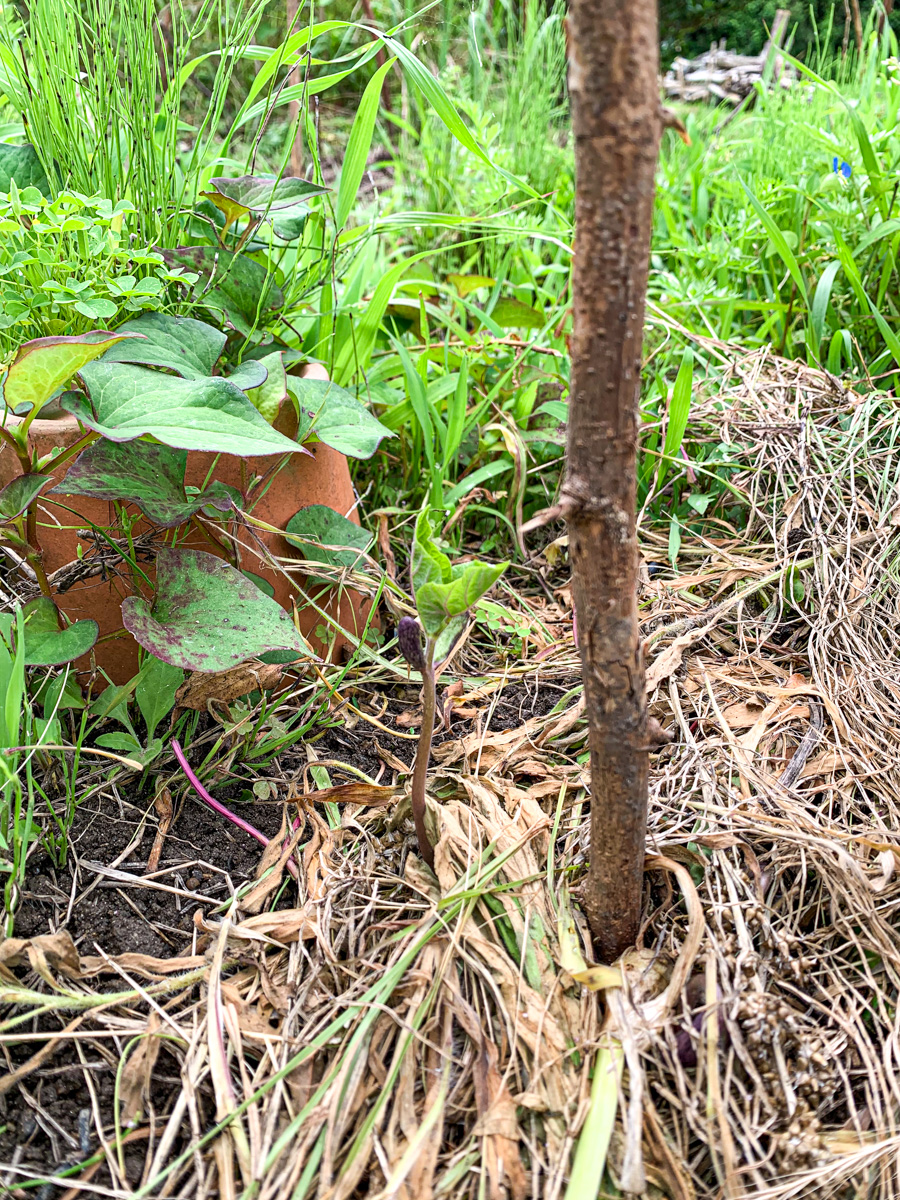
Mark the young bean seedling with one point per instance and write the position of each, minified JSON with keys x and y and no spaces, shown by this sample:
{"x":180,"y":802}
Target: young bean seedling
{"x":443,"y":593}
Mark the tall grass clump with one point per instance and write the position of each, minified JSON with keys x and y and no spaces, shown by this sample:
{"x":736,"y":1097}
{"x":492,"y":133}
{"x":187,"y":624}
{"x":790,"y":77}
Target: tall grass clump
{"x":99,"y":91}
{"x":782,"y":227}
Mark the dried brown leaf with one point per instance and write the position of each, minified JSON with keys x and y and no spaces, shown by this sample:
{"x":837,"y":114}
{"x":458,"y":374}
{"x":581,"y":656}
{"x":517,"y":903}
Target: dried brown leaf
{"x":136,"y":1074}
{"x":202,"y":686}
{"x":162,"y":802}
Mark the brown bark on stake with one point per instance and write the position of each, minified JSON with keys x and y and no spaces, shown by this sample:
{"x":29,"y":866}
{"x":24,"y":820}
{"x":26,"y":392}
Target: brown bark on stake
{"x":296,"y":166}
{"x":613,"y":64}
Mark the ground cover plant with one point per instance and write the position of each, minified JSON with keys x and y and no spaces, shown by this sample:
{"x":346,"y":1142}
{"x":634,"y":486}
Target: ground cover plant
{"x":228,"y":966}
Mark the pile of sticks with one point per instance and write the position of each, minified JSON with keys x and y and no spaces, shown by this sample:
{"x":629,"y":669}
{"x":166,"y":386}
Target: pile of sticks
{"x":721,"y":75}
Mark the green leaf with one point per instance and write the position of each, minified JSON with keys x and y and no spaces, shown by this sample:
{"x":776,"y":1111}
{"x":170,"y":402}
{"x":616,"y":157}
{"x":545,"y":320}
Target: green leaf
{"x":141,"y":473}
{"x":819,"y":307}
{"x":59,"y":693}
{"x":241,"y":290}
{"x":41,"y":367}
{"x":19,"y":494}
{"x":446,"y":639}
{"x":679,"y":410}
{"x":22,"y":164}
{"x":269,"y":396}
{"x":338,"y":419}
{"x":263,"y":197}
{"x":439,"y":603}
{"x":121,"y":743}
{"x":155,"y":692}
{"x":46,"y":645}
{"x":778,"y":240}
{"x":317,"y":527}
{"x":513,"y":314}
{"x":359,"y":144}
{"x":422,"y":78}
{"x":207,"y":616}
{"x":465,"y":284}
{"x":427,"y":564}
{"x":128,"y":402}
{"x":189,"y":348}
{"x":356,"y":352}
{"x":249,"y":374}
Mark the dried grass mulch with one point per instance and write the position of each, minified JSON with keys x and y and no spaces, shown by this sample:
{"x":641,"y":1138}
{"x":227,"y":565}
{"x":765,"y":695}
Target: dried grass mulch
{"x":392,"y":1034}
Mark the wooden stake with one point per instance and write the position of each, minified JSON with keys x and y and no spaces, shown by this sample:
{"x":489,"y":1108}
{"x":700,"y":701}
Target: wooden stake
{"x":857,"y":24}
{"x":613,"y":65}
{"x":296,"y":165}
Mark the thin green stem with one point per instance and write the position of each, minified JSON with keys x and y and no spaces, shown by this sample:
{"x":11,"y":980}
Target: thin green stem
{"x":65,"y":455}
{"x":423,"y":754}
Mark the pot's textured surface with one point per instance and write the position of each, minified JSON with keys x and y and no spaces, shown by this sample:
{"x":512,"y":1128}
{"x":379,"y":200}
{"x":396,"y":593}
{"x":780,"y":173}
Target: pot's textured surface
{"x":321,"y":477}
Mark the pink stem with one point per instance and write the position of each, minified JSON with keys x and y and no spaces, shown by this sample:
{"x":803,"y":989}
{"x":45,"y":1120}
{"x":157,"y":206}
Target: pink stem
{"x":219,"y":808}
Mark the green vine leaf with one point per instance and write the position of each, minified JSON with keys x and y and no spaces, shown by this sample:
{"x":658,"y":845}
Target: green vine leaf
{"x":42,"y":366}
{"x":128,"y":402}
{"x":46,"y":645}
{"x":317,"y":528}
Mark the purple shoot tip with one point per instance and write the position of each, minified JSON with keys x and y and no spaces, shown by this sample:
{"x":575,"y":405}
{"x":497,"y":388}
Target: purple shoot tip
{"x":409,"y":639}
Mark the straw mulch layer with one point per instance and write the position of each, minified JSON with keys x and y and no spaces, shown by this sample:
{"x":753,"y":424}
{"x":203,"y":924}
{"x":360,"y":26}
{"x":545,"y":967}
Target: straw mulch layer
{"x":381,"y":1032}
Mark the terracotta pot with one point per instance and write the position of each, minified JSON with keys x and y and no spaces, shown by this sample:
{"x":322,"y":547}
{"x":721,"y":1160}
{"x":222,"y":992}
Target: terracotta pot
{"x":323,"y":478}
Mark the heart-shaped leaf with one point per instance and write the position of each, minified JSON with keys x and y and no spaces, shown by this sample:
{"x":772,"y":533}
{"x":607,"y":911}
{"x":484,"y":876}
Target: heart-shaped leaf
{"x":207,"y":616}
{"x":251,"y":373}
{"x":129,"y":402}
{"x":189,"y":348}
{"x":339,"y":419}
{"x":46,"y":645}
{"x":22,"y":164}
{"x":141,"y":473}
{"x":428,"y":564}
{"x":18,"y":494}
{"x":41,"y":367}
{"x":271,"y":394}
{"x":318,"y":528}
{"x":264,"y":197}
{"x":231,"y":284}
{"x":439,"y":603}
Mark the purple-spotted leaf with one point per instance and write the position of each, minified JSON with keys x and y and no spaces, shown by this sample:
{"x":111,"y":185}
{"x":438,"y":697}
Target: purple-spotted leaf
{"x":46,"y":645}
{"x":263,"y":198}
{"x":233,"y":285}
{"x":17,"y":496}
{"x":129,"y":402}
{"x":207,"y":616}
{"x":41,"y":367}
{"x":141,"y":473}
{"x":189,"y":348}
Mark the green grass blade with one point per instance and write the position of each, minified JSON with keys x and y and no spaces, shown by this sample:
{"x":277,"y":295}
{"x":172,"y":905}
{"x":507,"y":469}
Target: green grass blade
{"x":593,"y":1142}
{"x":679,"y":411}
{"x":359,"y":144}
{"x":821,"y":297}
{"x":785,"y":253}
